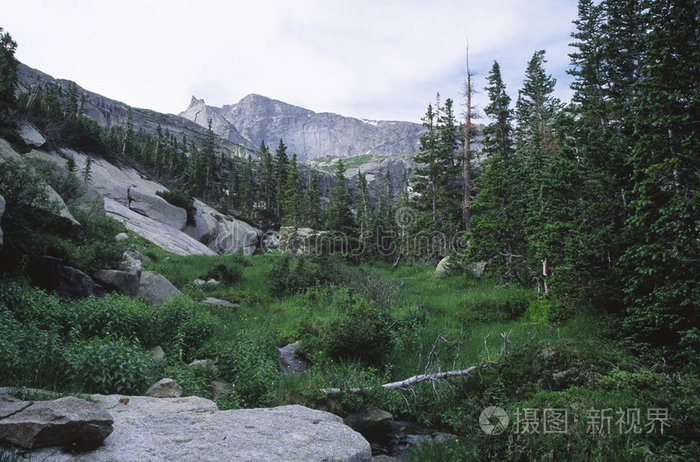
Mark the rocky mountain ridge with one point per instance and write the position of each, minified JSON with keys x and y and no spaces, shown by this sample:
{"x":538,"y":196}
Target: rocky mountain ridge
{"x":307,"y":133}
{"x":111,"y":113}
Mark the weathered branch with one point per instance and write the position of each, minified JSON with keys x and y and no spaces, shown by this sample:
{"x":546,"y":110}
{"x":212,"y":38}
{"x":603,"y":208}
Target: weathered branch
{"x":409,"y":381}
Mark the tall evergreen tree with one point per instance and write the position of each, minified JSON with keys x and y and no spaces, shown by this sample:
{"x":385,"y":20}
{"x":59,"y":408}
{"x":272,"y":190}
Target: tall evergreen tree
{"x":338,"y":214}
{"x":268,"y":186}
{"x":313,"y":202}
{"x":281,"y":169}
{"x":496,"y":233}
{"x":8,"y":69}
{"x":660,"y":268}
{"x":363,"y":217}
{"x":292,"y":199}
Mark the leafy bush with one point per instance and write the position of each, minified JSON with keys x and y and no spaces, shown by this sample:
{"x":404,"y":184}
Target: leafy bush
{"x":183,"y":327}
{"x":352,"y":327}
{"x":113,"y":314}
{"x":180,"y":198}
{"x":30,"y":356}
{"x":224,"y":272}
{"x":97,"y":249}
{"x":250,"y":363}
{"x":291,"y":276}
{"x":108,"y":365}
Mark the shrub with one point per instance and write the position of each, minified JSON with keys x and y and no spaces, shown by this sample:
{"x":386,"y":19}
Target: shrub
{"x":183,"y":327}
{"x":250,"y":363}
{"x":108,"y":365}
{"x":115,"y":315}
{"x":97,"y":249}
{"x":16,"y":141}
{"x":30,"y":356}
{"x":352,"y":327}
{"x":291,"y":276}
{"x":226,"y":273}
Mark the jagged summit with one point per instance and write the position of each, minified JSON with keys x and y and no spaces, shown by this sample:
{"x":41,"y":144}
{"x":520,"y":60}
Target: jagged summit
{"x":309,"y":134}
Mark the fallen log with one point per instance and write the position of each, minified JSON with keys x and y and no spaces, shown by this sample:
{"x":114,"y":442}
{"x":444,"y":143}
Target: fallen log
{"x":401,"y":384}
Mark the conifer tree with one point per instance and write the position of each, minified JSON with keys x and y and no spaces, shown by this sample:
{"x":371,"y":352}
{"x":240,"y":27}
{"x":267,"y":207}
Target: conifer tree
{"x":313,"y":202}
{"x":338,"y":215}
{"x":8,"y":69}
{"x":363,"y":218}
{"x":281,"y":166}
{"x":495,"y":235}
{"x":87,"y":170}
{"x":660,"y":267}
{"x":292,"y":200}
{"x":536,"y":110}
{"x":268,"y":186}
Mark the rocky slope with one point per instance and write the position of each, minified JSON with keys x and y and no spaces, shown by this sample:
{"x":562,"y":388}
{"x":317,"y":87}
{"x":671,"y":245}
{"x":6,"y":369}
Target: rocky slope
{"x":127,"y":196}
{"x":306,"y":133}
{"x":108,"y":112}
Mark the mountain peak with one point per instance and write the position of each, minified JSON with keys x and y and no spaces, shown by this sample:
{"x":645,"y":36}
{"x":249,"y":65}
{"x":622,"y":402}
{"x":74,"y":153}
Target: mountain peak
{"x":258,"y":118}
{"x":196,"y":102}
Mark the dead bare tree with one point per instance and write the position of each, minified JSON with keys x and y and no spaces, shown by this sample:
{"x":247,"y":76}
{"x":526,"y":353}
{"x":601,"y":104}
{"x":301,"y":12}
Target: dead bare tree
{"x":467,"y":155}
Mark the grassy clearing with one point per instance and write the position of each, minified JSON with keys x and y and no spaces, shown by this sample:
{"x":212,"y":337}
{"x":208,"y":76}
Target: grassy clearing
{"x":362,"y":327}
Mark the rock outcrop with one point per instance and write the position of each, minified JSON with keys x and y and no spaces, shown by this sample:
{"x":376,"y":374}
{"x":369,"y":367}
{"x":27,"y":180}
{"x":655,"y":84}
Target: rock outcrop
{"x":51,"y":274}
{"x":308,"y":134}
{"x":160,"y":234}
{"x":157,"y":208}
{"x":289,"y":361}
{"x":124,"y":282}
{"x":300,"y":241}
{"x":165,"y":388}
{"x":30,"y":135}
{"x":193,"y":429}
{"x":443,"y":266}
{"x":155,"y":288}
{"x":235,"y":236}
{"x":68,"y":421}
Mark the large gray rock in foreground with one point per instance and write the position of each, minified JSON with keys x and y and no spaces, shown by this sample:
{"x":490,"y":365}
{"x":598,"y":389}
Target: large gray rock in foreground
{"x":192,"y":429}
{"x":155,"y":288}
{"x":67,"y":421}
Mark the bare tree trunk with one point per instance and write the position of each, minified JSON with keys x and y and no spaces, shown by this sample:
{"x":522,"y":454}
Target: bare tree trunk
{"x":466,"y":160}
{"x":409,"y":381}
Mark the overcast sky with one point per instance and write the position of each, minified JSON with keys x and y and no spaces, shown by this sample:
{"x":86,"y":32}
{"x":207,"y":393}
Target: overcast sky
{"x":362,"y":58}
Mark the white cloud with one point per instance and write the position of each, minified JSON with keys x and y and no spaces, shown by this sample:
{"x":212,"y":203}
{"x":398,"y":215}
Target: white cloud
{"x":370,"y":59}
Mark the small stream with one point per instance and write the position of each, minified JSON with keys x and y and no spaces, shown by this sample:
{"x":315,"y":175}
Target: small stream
{"x":396,"y":438}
